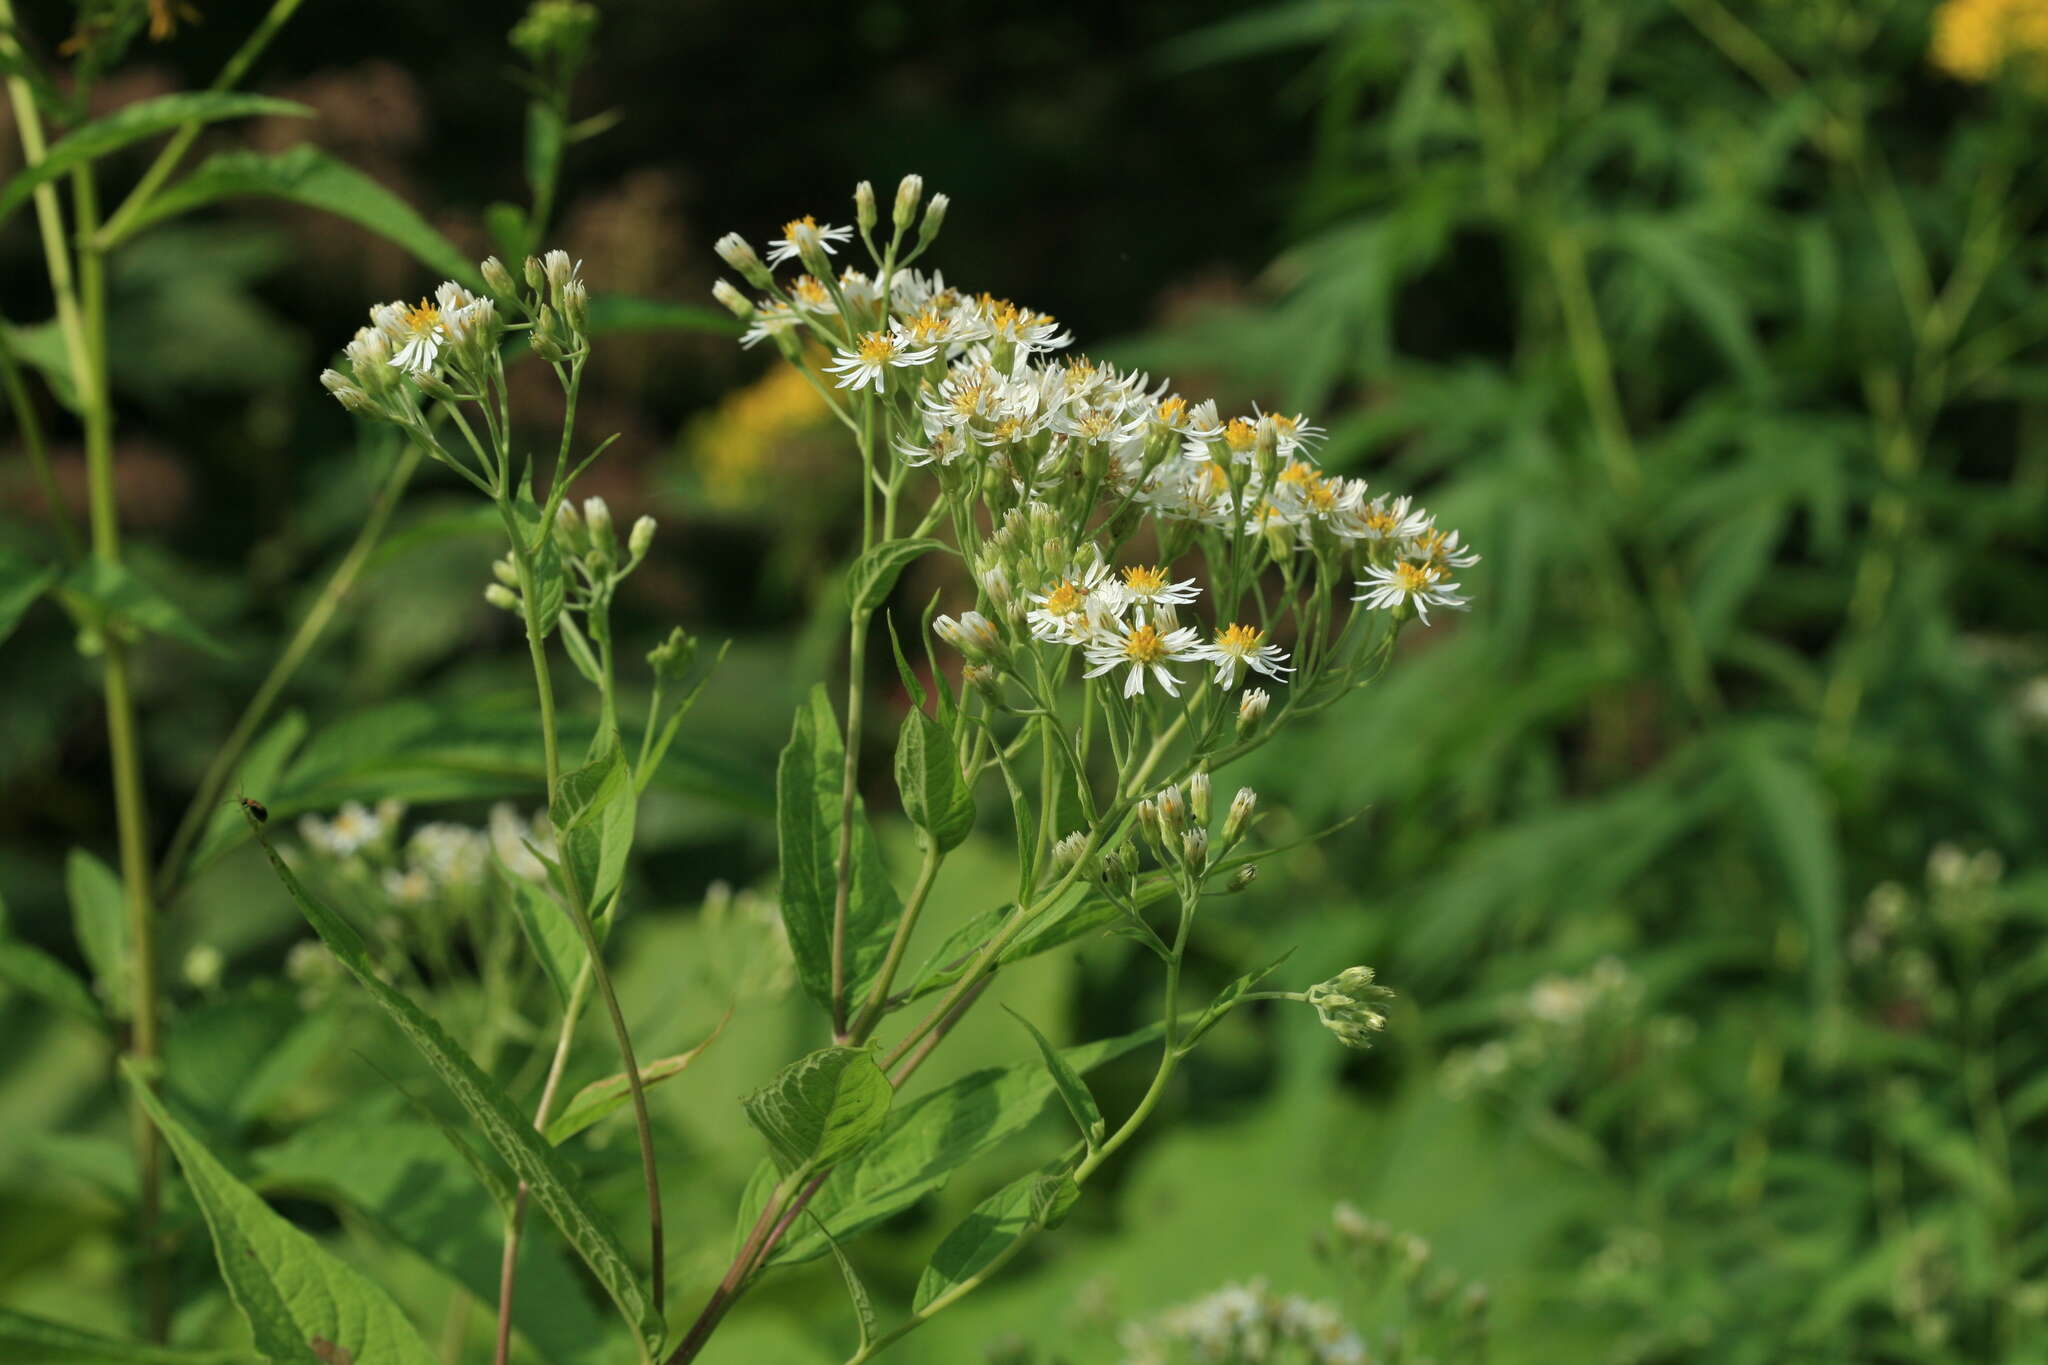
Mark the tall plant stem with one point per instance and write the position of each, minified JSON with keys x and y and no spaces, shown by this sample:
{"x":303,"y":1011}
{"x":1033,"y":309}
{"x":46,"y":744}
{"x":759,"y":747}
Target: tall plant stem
{"x":311,"y":627}
{"x":842,"y":878}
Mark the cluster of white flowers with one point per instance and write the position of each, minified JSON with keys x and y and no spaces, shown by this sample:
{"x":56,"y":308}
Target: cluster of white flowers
{"x":1245,"y":1324}
{"x":441,"y":859}
{"x":352,"y":829}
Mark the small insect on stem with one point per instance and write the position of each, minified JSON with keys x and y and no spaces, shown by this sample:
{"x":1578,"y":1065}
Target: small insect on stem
{"x":257,"y":809}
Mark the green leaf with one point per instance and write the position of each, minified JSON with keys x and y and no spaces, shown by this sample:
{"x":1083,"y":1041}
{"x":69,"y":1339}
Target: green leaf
{"x":549,"y":933}
{"x":613,"y":314}
{"x":229,"y":1059}
{"x":808,"y":793}
{"x":821,"y":1109}
{"x":1038,"y":1200}
{"x":544,"y":138}
{"x":103,"y":594}
{"x":22,"y":581}
{"x":927,"y":1139}
{"x":306,"y":175}
{"x":133,"y":123}
{"x":1080,"y":1102}
{"x":863,"y":1306}
{"x":874,"y":574}
{"x":99,"y":916}
{"x":262,"y":765}
{"x":1793,"y":819}
{"x":509,"y":1132}
{"x":26,"y":1340}
{"x":593,"y":808}
{"x":34,"y":972}
{"x":304,"y":1306}
{"x":599,"y":1099}
{"x":380,"y":1165}
{"x":1227,"y":998}
{"x":935,"y":799}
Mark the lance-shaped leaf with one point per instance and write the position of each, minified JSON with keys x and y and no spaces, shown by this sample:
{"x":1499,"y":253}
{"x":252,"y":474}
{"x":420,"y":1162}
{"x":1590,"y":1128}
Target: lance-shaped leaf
{"x":1038,"y":1200}
{"x":935,"y":798}
{"x":103,"y":594}
{"x":594,"y":808}
{"x":510,"y":1133}
{"x":22,"y":581}
{"x":863,"y":1305}
{"x":874,"y":574}
{"x":1080,"y":1103}
{"x":549,"y":933}
{"x":133,"y":123}
{"x":26,"y":1340}
{"x":822,"y":1109}
{"x":32,"y":971}
{"x":304,"y":1306}
{"x":99,"y":916}
{"x":808,"y":795}
{"x":600,"y":1098}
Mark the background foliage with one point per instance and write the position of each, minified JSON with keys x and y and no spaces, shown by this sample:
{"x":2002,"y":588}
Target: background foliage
{"x":1703,"y":852}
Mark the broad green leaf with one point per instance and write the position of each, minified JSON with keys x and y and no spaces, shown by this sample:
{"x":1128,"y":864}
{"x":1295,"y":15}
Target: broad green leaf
{"x":133,"y":123}
{"x":304,"y":1306}
{"x":874,"y":574}
{"x":22,"y":581}
{"x":99,"y":916}
{"x":1038,"y":1200}
{"x":306,"y":175}
{"x":808,"y":794}
{"x":510,"y":1133}
{"x":1073,"y":1090}
{"x":40,"y":346}
{"x":379,"y":1164}
{"x":26,"y":1340}
{"x":32,"y":971}
{"x":593,"y":810}
{"x":903,"y":670}
{"x":599,"y":1099}
{"x":101,"y":594}
{"x":613,"y":314}
{"x":822,"y":1109}
{"x":545,"y":922}
{"x":928,"y":1138}
{"x":935,"y":799}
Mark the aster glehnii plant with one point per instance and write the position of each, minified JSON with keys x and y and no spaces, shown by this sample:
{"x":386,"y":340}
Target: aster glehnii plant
{"x":1144,"y":592}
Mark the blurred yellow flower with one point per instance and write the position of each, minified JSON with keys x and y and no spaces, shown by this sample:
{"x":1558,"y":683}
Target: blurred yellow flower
{"x":1975,"y":39}
{"x":733,"y":446}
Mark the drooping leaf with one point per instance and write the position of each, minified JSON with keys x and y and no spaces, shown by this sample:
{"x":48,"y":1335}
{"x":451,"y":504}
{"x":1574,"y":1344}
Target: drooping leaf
{"x":26,"y":1340}
{"x":32,"y":971}
{"x":599,"y":1099}
{"x":1073,"y":1090}
{"x":133,"y":123}
{"x":808,"y":799}
{"x":863,"y":1305}
{"x":874,"y":574}
{"x":306,"y":175}
{"x":99,"y":916}
{"x":103,"y":594}
{"x":545,"y":922}
{"x":1038,"y":1200}
{"x":935,"y":799}
{"x":1793,"y":820}
{"x":822,"y":1108}
{"x":303,"y":1305}
{"x":22,"y":581}
{"x":553,"y":1185}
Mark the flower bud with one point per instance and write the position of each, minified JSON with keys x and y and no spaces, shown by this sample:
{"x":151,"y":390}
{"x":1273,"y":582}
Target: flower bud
{"x":1148,"y":820}
{"x":864,"y":205}
{"x":974,"y":635}
{"x":498,"y":595}
{"x":671,"y":659}
{"x":497,"y":278}
{"x":1241,"y":807}
{"x":1194,"y":851}
{"x":1173,"y":812}
{"x":558,"y":270}
{"x":543,"y":338}
{"x":1350,"y":1006}
{"x":738,"y":253}
{"x":203,"y":964}
{"x":346,"y":391}
{"x":570,"y":536}
{"x":1068,"y":850}
{"x":1241,"y":878}
{"x":536,"y":275}
{"x":598,"y":517}
{"x":1198,"y":798}
{"x":934,"y":219}
{"x":996,"y":584}
{"x":1251,"y":709}
{"x":576,"y":306}
{"x":738,"y":304}
{"x":433,"y":385}
{"x":505,"y":571}
{"x":909,"y":190}
{"x":640,"y":539}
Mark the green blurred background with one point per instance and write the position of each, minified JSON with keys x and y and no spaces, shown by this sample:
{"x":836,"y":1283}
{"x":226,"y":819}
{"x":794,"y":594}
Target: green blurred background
{"x":1704,"y":852}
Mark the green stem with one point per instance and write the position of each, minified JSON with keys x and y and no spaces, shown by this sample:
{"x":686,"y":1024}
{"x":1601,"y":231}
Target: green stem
{"x":311,"y":627}
{"x":871,"y":1013}
{"x":848,"y":788}
{"x":31,"y":430}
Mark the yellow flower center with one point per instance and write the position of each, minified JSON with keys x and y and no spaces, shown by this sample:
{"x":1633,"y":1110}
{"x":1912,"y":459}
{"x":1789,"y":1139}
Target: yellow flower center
{"x":1144,"y":645}
{"x":1009,"y":429}
{"x":1240,"y":640}
{"x":1240,"y":434}
{"x":1215,"y":478}
{"x":809,"y":290}
{"x":1413,"y":578}
{"x":1064,"y":600}
{"x":1173,"y":411}
{"x":1298,"y":473}
{"x":424,"y":318}
{"x":1143,"y":580}
{"x":1322,"y":494}
{"x":877,"y":348}
{"x":790,"y":229}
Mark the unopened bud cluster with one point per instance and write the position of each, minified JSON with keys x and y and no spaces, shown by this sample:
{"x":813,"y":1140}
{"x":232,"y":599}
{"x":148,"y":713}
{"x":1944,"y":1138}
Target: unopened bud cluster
{"x":1352,"y":1006}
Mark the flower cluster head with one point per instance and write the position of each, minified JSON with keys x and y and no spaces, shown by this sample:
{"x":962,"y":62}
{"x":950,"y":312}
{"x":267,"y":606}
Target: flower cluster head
{"x":1246,"y":1322}
{"x":1352,"y":1006}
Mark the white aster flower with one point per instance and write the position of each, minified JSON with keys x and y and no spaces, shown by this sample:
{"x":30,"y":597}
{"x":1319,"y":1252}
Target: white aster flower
{"x":509,"y":836}
{"x":1074,"y":608}
{"x":1147,"y":587}
{"x":1145,"y":649}
{"x":1382,"y":520}
{"x":415,"y":333}
{"x":1239,"y":649}
{"x":772,"y":318}
{"x":804,"y":233}
{"x":877,"y":353}
{"x":1407,"y":583}
{"x":1441,"y":550}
